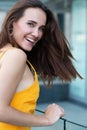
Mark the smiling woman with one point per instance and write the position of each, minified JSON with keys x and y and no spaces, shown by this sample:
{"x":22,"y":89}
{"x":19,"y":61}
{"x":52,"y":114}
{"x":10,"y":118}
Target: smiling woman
{"x":30,"y":36}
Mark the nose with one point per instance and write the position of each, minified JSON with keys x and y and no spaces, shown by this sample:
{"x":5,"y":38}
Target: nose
{"x":35,"y":32}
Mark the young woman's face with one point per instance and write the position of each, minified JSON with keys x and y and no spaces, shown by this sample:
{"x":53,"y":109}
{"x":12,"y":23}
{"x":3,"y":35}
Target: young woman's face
{"x":28,"y":30}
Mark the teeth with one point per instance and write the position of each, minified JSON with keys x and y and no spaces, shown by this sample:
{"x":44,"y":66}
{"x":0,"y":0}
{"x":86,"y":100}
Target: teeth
{"x":30,"y":40}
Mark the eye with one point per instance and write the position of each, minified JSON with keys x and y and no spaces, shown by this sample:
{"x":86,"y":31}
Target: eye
{"x":30,"y":24}
{"x":42,"y":29}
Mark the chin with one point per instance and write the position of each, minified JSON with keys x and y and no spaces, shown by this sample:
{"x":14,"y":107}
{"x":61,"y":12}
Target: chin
{"x":27,"y":49}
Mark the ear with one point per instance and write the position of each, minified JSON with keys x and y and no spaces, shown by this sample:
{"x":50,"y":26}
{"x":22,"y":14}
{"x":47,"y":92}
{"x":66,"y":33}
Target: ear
{"x":14,"y":23}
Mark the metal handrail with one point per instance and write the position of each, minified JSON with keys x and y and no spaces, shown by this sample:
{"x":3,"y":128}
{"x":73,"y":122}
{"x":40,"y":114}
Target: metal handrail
{"x":65,"y":120}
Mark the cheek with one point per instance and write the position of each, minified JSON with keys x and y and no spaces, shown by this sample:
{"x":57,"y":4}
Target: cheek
{"x":17,"y":33}
{"x":17,"y":28}
{"x":40,"y":35}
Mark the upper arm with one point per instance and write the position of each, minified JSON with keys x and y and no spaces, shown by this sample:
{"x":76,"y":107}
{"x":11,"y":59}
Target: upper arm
{"x":11,"y":71}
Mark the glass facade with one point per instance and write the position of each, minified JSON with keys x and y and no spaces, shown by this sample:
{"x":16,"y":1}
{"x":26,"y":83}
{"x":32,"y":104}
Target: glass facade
{"x":79,"y":40}
{"x":2,"y":15}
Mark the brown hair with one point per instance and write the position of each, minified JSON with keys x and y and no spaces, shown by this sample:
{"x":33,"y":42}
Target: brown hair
{"x":51,"y":57}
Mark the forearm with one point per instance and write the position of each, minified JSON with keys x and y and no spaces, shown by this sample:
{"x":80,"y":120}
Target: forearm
{"x":15,"y":117}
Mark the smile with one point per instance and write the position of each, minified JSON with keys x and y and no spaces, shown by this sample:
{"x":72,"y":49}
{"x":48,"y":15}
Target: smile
{"x":30,"y":40}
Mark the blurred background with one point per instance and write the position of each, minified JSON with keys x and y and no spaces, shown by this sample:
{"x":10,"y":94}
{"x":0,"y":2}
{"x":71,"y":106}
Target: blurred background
{"x":72,"y":16}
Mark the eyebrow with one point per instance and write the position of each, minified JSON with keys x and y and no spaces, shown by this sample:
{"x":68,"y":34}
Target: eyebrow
{"x":35,"y":22}
{"x":32,"y":21}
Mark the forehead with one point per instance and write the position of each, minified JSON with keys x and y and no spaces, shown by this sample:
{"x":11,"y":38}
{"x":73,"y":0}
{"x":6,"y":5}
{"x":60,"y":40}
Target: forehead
{"x":35,"y":14}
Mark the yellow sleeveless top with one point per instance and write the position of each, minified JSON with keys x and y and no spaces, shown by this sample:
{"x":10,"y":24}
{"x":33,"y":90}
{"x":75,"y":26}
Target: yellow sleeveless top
{"x":24,"y":100}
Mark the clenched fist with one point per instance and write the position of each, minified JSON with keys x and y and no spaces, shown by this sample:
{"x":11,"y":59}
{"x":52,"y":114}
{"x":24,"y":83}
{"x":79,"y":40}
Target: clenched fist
{"x":53,"y":112}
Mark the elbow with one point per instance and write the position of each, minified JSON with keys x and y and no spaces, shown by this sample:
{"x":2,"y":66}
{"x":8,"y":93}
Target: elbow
{"x":3,"y":114}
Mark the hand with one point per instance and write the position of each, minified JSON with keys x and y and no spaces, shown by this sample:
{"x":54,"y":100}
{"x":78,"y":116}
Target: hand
{"x":53,"y":112}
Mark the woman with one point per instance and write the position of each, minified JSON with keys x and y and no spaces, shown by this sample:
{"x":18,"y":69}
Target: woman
{"x":30,"y":35}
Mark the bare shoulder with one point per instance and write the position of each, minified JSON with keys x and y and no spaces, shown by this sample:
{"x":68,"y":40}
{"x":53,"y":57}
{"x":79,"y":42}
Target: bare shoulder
{"x":15,"y":54}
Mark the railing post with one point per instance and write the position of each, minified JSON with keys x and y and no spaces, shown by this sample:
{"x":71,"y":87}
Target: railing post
{"x":64,"y":125}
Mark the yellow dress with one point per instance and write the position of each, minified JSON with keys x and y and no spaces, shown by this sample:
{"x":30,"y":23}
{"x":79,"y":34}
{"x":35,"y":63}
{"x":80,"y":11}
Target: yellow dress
{"x":24,"y":101}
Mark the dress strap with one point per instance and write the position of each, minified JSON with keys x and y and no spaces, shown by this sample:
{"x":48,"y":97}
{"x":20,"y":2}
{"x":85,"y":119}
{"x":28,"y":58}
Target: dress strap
{"x":35,"y":74}
{"x":3,"y":52}
{"x":31,"y":65}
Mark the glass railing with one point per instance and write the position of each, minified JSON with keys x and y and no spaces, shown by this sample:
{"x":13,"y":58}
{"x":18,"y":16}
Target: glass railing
{"x":62,"y":124}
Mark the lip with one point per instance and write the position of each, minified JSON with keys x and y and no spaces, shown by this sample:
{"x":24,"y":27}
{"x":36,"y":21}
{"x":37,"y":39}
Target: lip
{"x":30,"y":40}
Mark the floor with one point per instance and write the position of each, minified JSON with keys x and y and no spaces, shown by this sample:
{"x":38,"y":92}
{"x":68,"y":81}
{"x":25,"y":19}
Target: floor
{"x":73,"y":113}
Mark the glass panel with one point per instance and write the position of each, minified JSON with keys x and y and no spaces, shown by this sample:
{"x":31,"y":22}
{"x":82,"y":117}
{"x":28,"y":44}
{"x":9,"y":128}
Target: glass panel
{"x":78,"y":86}
{"x":70,"y":126}
{"x":2,"y":15}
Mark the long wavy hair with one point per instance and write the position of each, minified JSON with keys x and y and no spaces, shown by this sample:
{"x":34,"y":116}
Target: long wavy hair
{"x":51,"y":57}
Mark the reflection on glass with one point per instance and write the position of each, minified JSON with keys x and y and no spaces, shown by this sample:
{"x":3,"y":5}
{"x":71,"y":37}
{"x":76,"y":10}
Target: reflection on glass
{"x":78,"y":86}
